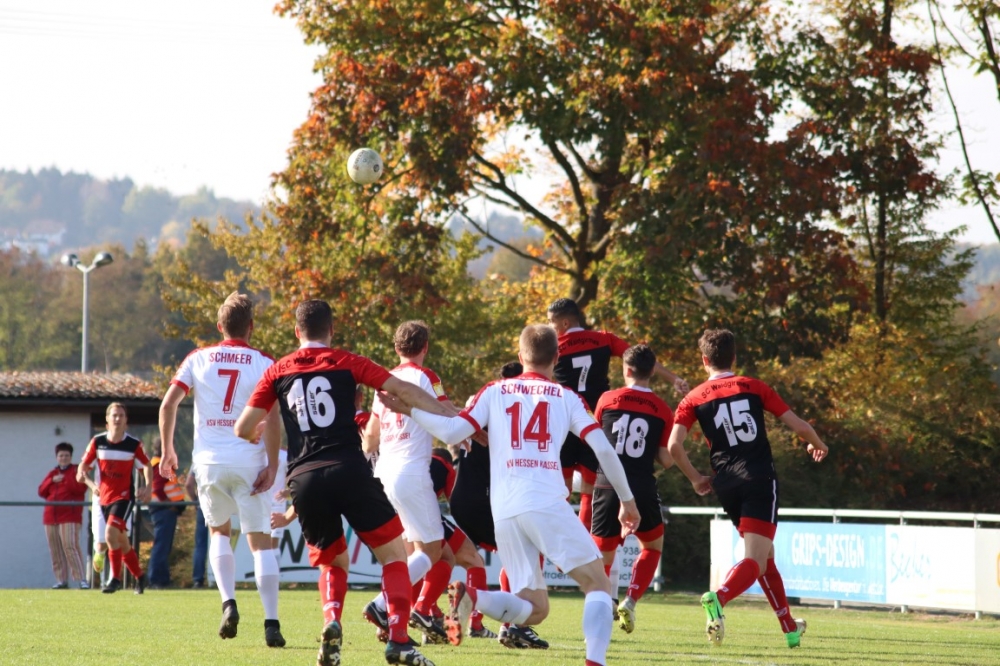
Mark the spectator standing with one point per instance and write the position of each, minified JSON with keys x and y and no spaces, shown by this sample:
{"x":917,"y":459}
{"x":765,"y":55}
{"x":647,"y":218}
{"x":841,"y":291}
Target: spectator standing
{"x":164,"y":517}
{"x":62,"y":523}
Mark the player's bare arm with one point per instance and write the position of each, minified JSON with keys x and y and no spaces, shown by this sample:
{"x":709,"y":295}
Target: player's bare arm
{"x":414,"y":396}
{"x":664,"y":458}
{"x":702,"y":484}
{"x":168,"y":421}
{"x":247,"y":424}
{"x":271,"y":432}
{"x":680,"y":385}
{"x":145,"y":493}
{"x":816,"y":448}
{"x":372,"y":435}
{"x":279,"y":520}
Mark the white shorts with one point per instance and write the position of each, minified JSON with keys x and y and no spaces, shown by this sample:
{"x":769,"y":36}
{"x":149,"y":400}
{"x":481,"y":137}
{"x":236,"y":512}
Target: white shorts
{"x":553,"y":531}
{"x":224,"y":491}
{"x":412,"y":495}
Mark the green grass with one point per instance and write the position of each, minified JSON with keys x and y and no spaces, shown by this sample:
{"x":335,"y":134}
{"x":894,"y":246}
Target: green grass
{"x":176,"y":628}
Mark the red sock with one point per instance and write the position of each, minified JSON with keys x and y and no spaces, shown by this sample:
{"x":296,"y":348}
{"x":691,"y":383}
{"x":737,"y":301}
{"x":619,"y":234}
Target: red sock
{"x":774,"y":590}
{"x":415,"y":592}
{"x":475,"y":577}
{"x":588,"y":662}
{"x":132,"y":562}
{"x":739,"y":579}
{"x":642,"y":573}
{"x":332,"y":590}
{"x":435,"y":583}
{"x":587,"y":509}
{"x":396,"y":588}
{"x":504,"y":581}
{"x":607,"y":570}
{"x":115,"y":557}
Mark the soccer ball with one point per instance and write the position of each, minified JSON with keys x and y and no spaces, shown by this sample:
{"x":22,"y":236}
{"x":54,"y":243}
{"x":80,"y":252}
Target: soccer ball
{"x":364,"y":166}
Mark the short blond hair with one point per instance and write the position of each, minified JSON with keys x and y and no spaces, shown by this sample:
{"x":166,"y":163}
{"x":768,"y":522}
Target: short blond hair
{"x":236,"y":315}
{"x":539,"y":345}
{"x":107,"y":412}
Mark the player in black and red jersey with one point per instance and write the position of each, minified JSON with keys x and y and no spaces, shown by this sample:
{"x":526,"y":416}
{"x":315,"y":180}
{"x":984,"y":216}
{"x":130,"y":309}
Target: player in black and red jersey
{"x":730,"y":410}
{"x":116,"y":452}
{"x":328,"y":475}
{"x":637,"y":422}
{"x":583,"y":365}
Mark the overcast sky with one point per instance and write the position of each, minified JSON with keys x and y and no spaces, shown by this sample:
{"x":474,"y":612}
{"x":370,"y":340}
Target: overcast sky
{"x":181,"y":94}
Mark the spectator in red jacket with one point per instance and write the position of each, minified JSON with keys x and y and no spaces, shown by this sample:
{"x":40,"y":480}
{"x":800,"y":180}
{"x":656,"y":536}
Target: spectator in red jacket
{"x":62,"y":523}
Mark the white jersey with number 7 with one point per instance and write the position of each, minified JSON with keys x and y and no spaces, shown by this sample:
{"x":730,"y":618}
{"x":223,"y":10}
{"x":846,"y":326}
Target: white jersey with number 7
{"x":222,"y":377}
{"x":527,"y":418}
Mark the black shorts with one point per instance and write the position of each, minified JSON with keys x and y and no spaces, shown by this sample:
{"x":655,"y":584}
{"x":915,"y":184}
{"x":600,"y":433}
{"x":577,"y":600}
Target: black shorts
{"x":472,"y":513}
{"x":324,"y":495}
{"x":576,"y":452}
{"x":605,"y":526}
{"x":752,"y":506}
{"x":117,"y":513}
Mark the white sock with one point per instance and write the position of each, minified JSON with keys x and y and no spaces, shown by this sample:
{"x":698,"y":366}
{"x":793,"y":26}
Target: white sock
{"x":220,"y":556}
{"x":418,"y":564}
{"x":597,"y":625}
{"x":615,"y":574}
{"x":267,"y":574}
{"x":506,"y":607}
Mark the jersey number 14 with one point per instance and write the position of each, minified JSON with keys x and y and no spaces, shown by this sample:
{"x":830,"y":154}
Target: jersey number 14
{"x":536,"y":430}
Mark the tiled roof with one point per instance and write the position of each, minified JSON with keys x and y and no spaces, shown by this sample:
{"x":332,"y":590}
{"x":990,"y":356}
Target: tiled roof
{"x":75,"y":385}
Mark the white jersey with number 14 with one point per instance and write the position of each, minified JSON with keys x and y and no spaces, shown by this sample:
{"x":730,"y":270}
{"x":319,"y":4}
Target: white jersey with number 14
{"x":222,"y":377}
{"x":527,"y":418}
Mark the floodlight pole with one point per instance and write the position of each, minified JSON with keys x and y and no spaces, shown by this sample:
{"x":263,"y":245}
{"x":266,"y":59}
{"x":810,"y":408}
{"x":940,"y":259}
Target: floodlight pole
{"x":71,"y":260}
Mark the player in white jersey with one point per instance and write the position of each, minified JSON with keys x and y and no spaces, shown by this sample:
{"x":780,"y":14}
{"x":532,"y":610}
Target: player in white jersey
{"x":233,"y":475}
{"x":403,"y":467}
{"x":528,"y":418}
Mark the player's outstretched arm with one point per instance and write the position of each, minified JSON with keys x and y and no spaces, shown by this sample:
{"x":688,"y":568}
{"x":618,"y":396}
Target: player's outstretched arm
{"x":611,"y":465}
{"x":168,"y":421}
{"x":664,"y":458}
{"x":414,"y":396}
{"x":680,"y":385}
{"x":702,"y":484}
{"x":816,"y":448}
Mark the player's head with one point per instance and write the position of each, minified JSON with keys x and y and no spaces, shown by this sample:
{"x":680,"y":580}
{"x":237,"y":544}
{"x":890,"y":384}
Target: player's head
{"x":640,"y":360}
{"x":539,"y":346}
{"x":512,"y":369}
{"x":564,"y":313}
{"x":411,"y":338}
{"x":718,"y":348}
{"x":116,"y":415}
{"x":64,"y":453}
{"x":314,"y":320}
{"x":236,"y":316}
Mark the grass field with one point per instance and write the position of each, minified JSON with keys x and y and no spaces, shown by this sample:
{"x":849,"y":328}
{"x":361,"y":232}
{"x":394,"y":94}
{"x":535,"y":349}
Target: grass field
{"x":178,"y":628}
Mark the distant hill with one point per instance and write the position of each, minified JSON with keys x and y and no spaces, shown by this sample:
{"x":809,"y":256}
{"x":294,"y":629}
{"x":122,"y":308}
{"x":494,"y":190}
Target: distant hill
{"x":49,"y":211}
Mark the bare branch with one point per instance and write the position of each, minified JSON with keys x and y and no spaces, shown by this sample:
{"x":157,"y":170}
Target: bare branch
{"x":521,"y":253}
{"x":574,"y":182}
{"x":973,"y":179}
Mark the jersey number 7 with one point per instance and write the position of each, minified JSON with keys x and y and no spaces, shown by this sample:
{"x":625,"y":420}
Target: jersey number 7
{"x":537,"y":429}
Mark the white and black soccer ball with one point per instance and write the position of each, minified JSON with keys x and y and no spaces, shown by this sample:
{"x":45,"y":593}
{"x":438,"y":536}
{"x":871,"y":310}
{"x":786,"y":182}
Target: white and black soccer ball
{"x":364,"y":166}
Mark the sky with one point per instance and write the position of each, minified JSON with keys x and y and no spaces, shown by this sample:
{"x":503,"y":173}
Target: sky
{"x":180,"y":94}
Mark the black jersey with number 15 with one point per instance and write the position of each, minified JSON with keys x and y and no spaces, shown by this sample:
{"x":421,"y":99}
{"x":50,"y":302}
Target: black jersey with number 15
{"x":730,"y":410}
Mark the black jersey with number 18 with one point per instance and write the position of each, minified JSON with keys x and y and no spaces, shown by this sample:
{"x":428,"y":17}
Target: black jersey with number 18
{"x":637,"y":423}
{"x":730,"y":410}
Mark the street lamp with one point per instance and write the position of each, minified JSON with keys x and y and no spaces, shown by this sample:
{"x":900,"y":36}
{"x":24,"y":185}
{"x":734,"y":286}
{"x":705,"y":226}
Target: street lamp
{"x":73,"y":261}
